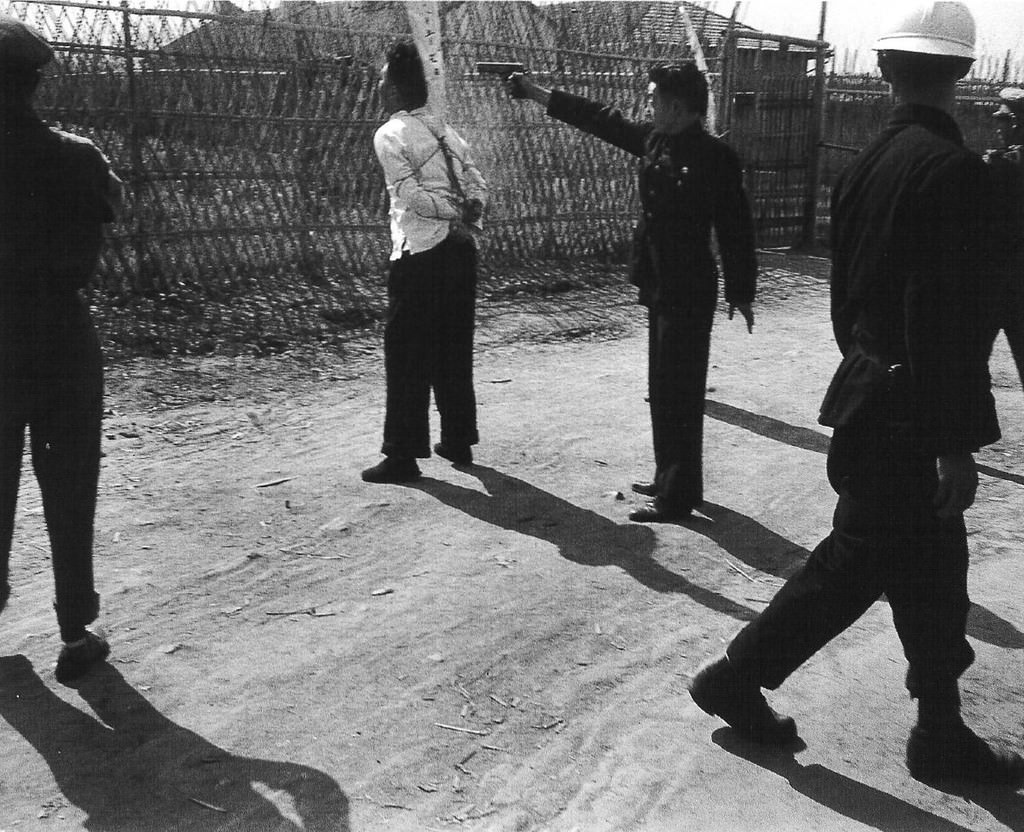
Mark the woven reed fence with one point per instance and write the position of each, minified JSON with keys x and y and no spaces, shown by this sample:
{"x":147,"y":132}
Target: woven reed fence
{"x":256,"y":211}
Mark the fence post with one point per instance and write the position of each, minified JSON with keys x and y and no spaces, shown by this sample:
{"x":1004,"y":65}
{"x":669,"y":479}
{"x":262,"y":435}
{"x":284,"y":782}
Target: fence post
{"x":142,"y":280}
{"x":810,"y":224}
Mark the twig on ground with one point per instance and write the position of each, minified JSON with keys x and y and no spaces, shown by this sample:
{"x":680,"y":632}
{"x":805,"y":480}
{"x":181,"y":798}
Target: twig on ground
{"x":269,"y":483}
{"x":206,"y":805}
{"x":739,"y":571}
{"x":461,"y":730}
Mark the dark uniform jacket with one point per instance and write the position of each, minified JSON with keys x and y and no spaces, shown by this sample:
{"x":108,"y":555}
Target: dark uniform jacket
{"x":910,"y":283}
{"x":689,"y":183}
{"x":55,"y":195}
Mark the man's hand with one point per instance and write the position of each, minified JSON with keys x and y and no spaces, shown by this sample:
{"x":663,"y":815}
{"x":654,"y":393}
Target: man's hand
{"x":521,"y":85}
{"x":472,"y":211}
{"x":746,"y":310}
{"x":958,"y":483}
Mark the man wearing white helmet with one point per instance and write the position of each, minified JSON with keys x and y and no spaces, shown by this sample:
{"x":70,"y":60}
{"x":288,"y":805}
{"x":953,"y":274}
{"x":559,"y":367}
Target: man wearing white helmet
{"x":909,"y":404}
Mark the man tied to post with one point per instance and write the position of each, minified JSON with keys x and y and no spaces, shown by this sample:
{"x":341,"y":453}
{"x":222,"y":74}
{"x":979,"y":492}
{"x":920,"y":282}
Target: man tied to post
{"x":437,"y":197}
{"x":690,"y":184}
{"x":56,"y":192}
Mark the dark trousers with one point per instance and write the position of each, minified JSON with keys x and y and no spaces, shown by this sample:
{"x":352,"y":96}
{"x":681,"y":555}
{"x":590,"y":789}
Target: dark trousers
{"x":679,"y":345}
{"x":61,"y":404}
{"x":428,"y":345}
{"x":886,"y":539}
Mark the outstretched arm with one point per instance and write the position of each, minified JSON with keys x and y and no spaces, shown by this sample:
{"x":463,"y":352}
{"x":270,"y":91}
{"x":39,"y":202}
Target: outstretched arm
{"x":600,"y":120}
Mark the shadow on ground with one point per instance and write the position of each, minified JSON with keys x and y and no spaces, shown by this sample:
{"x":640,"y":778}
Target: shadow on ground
{"x":130,"y":769}
{"x":858,"y":801}
{"x":759,"y":547}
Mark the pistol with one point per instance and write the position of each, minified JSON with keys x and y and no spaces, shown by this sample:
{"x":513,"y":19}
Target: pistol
{"x":503,"y":69}
{"x":500,"y":68}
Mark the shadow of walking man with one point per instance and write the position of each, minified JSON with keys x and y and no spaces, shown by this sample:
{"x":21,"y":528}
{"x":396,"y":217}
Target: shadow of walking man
{"x":582,"y":536}
{"x":133,"y":770}
{"x":858,"y":801}
{"x":758,"y":546}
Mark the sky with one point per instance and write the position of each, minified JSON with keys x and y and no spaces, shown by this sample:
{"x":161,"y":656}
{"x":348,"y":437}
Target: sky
{"x":851,"y":25}
{"x":854,"y":24}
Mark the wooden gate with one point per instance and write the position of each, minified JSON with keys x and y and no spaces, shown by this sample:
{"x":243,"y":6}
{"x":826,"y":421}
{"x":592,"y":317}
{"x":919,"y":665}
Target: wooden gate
{"x":773,"y":94}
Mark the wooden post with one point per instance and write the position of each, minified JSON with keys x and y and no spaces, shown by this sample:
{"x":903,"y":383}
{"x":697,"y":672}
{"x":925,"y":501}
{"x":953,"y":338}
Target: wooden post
{"x":142,"y":281}
{"x":727,"y":66}
{"x":814,"y":133}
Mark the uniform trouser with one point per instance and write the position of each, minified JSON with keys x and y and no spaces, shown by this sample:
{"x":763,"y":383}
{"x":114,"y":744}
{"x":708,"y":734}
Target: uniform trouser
{"x":428,"y":344}
{"x":679,"y":345}
{"x":62,"y":407}
{"x":886,"y":538}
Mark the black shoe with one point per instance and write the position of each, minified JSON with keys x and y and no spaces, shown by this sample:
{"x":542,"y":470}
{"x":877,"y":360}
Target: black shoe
{"x":393,"y":469}
{"x":957,"y":753}
{"x":76,"y":657}
{"x":456,"y":454}
{"x":657,"y":512}
{"x":648,"y":489}
{"x":718,"y":690}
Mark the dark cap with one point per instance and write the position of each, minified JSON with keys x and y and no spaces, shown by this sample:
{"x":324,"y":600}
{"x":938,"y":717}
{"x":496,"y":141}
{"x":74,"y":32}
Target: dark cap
{"x":21,"y":46}
{"x":682,"y":80}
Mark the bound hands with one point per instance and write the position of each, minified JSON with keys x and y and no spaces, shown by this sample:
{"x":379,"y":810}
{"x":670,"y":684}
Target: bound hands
{"x":746,"y":310}
{"x":472,"y":212}
{"x":958,"y":482}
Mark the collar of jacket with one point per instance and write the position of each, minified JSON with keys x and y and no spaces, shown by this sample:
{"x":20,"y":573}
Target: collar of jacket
{"x":692,"y":130}
{"x":931,"y":118}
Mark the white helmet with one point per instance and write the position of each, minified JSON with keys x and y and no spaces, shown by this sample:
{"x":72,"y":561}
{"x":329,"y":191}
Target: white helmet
{"x":941,"y":28}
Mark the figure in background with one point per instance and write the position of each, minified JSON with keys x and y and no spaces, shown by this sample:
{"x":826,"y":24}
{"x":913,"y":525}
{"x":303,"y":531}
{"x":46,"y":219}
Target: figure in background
{"x":909,"y":405}
{"x":437,"y":200}
{"x":1006,"y":162}
{"x":56,"y":193}
{"x":690,"y":183}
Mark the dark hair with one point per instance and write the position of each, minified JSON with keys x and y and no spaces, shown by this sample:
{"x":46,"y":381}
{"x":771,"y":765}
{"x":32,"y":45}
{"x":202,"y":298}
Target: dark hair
{"x":405,"y":72}
{"x":18,"y":84}
{"x":682,"y":81}
{"x":919,"y":69}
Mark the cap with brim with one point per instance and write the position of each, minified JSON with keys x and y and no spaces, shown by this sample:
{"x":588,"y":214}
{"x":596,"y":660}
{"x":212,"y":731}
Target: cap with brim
{"x":21,"y":46}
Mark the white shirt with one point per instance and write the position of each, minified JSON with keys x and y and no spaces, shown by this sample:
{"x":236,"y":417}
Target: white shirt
{"x":423,"y":202}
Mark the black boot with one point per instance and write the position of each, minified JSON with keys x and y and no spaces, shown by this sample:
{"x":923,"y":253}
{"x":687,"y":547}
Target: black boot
{"x":955,"y":752}
{"x":456,"y":454}
{"x":942,"y":748}
{"x":720,"y":691}
{"x":393,"y":469}
{"x":648,"y":489}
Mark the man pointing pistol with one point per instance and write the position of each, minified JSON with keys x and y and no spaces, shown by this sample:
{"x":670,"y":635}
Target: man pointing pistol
{"x":690,"y":183}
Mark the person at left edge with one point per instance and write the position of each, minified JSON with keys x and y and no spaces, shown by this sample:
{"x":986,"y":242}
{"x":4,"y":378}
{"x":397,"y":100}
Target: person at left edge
{"x":56,"y":193}
{"x":690,"y":183}
{"x":437,"y":197}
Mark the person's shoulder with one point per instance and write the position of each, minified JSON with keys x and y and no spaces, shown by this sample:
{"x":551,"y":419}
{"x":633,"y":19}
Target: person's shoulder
{"x":396,"y":124}
{"x":720,"y":148}
{"x":78,"y":150}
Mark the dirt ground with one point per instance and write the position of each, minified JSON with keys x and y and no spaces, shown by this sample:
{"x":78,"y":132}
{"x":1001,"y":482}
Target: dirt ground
{"x":494,"y":648}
